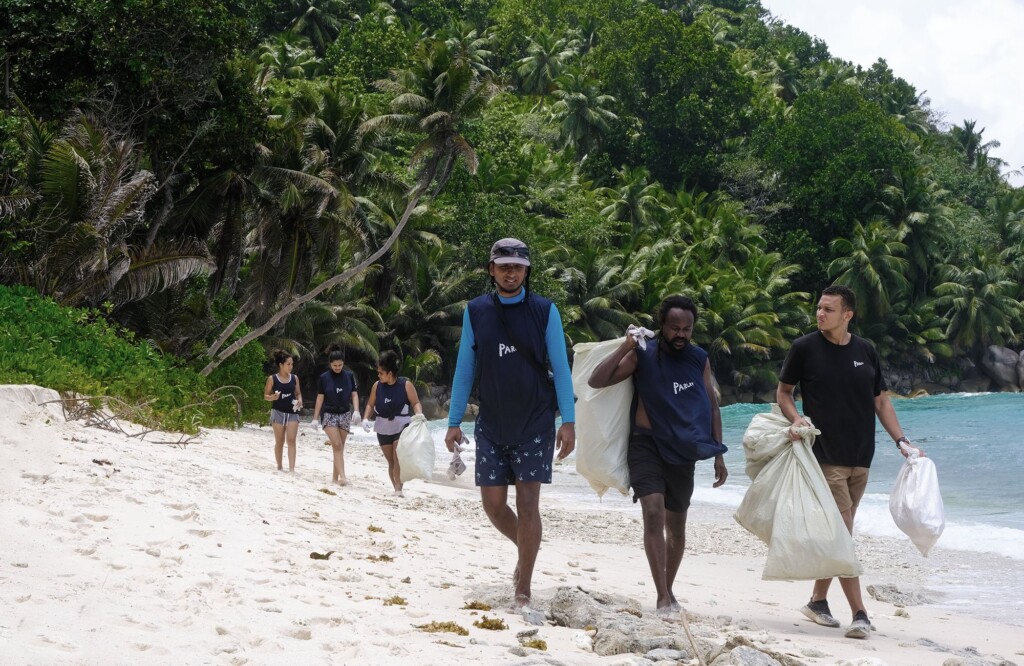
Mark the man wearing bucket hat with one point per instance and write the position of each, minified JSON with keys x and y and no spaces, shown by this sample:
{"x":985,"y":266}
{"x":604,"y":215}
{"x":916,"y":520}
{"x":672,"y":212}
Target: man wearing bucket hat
{"x":510,"y":339}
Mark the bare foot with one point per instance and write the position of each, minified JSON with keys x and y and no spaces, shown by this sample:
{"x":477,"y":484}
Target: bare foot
{"x":399,"y":493}
{"x":342,"y":481}
{"x":521,"y":601}
{"x":674,"y":604}
{"x":667,"y":614}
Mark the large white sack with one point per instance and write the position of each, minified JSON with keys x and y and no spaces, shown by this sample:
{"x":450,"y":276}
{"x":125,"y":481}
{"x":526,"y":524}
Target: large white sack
{"x":416,"y":451}
{"x":602,"y":421}
{"x":789,"y":505}
{"x":916,"y":503}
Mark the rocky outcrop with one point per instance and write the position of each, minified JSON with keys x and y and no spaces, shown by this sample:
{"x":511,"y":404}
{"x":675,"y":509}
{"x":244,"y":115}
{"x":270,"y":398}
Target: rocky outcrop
{"x":891,"y":594}
{"x":1000,"y":364}
{"x":621,"y":626}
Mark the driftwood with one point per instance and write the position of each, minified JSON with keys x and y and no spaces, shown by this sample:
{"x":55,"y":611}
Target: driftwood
{"x":111,"y":413}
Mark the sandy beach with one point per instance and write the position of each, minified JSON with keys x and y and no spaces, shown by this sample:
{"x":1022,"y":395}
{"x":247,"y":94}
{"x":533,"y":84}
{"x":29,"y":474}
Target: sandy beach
{"x":117,"y":550}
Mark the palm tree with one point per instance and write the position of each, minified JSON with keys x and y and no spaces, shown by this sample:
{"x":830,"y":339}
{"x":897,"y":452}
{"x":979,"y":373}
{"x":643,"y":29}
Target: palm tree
{"x":979,"y":303}
{"x":319,"y":21}
{"x":784,"y":76}
{"x":870,"y":264}
{"x":547,"y":55}
{"x":307,"y":202}
{"x":466,"y":43}
{"x":581,"y":112}
{"x":598,"y":291}
{"x":633,"y":200}
{"x":970,"y":142}
{"x":425,"y":316}
{"x":913,"y":202}
{"x":433,"y":98}
{"x":83,"y":225}
{"x":287,"y":56}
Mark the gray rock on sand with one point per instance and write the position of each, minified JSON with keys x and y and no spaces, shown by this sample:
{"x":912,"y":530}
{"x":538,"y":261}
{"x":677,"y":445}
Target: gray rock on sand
{"x":741,"y":655}
{"x":977,"y":661}
{"x":891,"y":594}
{"x":1000,"y":364}
{"x":1020,"y":370}
{"x":620,"y":626}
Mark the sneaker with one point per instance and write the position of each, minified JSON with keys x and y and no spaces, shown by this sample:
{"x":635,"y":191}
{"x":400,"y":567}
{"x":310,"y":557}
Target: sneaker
{"x":860,"y":627}
{"x":818,"y":611}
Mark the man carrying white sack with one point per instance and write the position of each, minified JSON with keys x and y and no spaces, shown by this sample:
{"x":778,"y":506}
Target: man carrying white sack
{"x":675,"y":422}
{"x":840,"y":379}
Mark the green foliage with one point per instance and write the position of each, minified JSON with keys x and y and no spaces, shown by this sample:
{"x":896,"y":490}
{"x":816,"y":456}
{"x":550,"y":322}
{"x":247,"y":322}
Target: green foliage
{"x":370,"y":48}
{"x":77,"y":350}
{"x":640,"y":148}
{"x":833,"y":154}
{"x":681,"y":85}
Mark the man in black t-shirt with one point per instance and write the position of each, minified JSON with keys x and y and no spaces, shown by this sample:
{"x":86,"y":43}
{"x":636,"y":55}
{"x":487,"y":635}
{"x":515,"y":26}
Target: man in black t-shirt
{"x":840,"y":379}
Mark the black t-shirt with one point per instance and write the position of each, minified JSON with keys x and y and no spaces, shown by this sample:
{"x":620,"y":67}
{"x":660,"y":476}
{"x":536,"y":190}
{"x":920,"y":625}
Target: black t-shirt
{"x":337,"y":389}
{"x":838,"y":384}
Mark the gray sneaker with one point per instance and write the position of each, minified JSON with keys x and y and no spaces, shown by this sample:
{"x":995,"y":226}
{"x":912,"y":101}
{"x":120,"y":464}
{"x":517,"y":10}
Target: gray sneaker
{"x":860,"y":627}
{"x":818,"y":612}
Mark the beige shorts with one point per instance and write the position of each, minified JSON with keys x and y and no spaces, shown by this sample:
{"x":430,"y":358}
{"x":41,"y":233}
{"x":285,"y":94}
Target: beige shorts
{"x":846,"y":483}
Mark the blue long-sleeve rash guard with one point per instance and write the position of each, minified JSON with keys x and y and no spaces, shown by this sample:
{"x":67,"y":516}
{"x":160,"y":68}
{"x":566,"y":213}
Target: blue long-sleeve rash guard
{"x":465,"y":366}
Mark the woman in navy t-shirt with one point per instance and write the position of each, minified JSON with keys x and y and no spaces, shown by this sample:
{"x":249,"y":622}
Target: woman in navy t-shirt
{"x":393,"y":400}
{"x":283,"y":390}
{"x":337,"y":408}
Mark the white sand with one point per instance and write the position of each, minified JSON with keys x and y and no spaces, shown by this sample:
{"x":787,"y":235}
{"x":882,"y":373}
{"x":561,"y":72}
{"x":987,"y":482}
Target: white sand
{"x":201,"y":555}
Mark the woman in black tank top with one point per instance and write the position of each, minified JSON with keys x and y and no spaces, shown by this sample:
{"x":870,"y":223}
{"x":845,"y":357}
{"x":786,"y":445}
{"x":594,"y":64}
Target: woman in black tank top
{"x":387,"y":371}
{"x":284,"y":391}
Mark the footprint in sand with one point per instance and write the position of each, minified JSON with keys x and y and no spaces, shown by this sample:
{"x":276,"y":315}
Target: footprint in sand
{"x":85,"y":551}
{"x":181,"y":507}
{"x":299,"y":634}
{"x":191,"y":515}
{"x":96,"y":517}
{"x":201,"y":533}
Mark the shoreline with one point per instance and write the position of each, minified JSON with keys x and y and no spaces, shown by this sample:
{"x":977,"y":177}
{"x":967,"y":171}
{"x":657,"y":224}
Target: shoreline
{"x":201,"y":554}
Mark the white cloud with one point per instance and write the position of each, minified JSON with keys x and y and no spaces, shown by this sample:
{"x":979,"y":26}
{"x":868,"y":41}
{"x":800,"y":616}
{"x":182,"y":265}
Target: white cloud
{"x":967,"y":56}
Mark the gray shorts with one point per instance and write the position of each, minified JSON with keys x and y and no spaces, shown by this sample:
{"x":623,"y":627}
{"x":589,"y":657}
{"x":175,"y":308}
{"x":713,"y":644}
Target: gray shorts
{"x":283,"y":418}
{"x":342,"y":421}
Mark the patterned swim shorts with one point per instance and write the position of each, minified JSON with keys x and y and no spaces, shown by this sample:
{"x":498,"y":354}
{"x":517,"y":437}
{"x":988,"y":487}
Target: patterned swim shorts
{"x":503,"y":465}
{"x":342,"y":421}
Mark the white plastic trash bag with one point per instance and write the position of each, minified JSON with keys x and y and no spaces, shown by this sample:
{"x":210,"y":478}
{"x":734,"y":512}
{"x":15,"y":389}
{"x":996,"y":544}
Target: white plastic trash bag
{"x":602,"y":421}
{"x":789,"y":505}
{"x":416,"y":451}
{"x":916,"y":503}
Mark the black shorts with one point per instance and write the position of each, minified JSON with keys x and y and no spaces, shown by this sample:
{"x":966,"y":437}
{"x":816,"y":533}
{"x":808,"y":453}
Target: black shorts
{"x":388,"y":440}
{"x":650,"y":474}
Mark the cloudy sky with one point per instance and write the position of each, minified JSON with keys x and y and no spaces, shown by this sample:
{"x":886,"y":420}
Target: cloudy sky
{"x":967,"y":57}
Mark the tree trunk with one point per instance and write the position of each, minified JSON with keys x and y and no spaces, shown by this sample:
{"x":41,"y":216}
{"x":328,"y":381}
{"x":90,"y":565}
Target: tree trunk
{"x":297,"y":301}
{"x":232,"y":327}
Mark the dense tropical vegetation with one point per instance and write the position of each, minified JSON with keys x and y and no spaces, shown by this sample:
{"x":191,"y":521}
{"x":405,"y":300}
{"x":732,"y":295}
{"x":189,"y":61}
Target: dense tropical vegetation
{"x":216,"y":175}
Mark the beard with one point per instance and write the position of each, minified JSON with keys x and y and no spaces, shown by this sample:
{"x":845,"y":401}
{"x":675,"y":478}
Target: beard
{"x":672,"y":350}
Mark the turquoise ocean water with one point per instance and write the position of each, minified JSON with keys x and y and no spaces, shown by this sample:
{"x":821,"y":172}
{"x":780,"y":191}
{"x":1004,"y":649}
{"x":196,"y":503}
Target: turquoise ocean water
{"x":975,"y":440}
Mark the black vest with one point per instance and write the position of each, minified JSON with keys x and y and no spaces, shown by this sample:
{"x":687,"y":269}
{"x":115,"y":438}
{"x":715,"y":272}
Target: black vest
{"x":677,"y":402}
{"x":517,"y":399}
{"x":287,"y":389}
{"x":391,"y":400}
